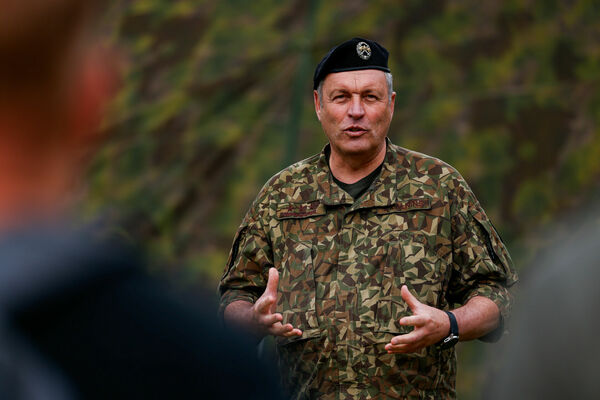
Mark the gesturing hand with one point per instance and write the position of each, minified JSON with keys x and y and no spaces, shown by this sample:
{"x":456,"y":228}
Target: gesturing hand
{"x":263,"y":311}
{"x":430,"y":326}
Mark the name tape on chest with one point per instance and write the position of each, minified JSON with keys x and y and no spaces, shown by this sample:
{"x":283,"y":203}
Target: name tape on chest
{"x":300,"y":210}
{"x":422,"y":203}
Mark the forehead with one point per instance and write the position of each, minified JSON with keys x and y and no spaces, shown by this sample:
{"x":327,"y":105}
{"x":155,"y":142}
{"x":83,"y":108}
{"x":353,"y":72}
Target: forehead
{"x":355,"y":80}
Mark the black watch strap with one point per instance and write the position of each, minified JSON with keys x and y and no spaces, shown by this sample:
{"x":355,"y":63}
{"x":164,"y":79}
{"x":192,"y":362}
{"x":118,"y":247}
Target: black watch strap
{"x":452,"y":338}
{"x":453,"y":323}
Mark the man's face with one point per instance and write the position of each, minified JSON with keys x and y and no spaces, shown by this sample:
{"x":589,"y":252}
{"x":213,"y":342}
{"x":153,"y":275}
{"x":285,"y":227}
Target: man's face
{"x":355,"y":112}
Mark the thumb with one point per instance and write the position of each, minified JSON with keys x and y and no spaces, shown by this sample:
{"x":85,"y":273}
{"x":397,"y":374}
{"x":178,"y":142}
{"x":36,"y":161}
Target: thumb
{"x":271,"y":288}
{"x":273,"y":282}
{"x":411,"y":300}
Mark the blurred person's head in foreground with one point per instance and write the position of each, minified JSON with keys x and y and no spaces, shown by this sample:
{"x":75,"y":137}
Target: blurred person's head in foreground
{"x":79,"y":317}
{"x":55,"y":80}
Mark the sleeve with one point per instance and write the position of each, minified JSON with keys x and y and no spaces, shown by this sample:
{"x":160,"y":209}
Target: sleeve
{"x":250,"y":258}
{"x":481,"y":263}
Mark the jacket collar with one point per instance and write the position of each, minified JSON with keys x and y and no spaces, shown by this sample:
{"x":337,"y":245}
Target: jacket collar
{"x":385,"y":185}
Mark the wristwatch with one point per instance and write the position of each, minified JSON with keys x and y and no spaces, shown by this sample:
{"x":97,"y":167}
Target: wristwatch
{"x":450,"y":340}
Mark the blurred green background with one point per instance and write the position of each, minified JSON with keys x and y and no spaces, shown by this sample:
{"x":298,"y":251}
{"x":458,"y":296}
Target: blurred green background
{"x":217,"y":97}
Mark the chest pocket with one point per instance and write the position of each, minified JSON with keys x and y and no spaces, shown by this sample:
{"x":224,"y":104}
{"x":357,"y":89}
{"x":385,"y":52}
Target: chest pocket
{"x":406,"y":264}
{"x":410,"y":241}
{"x":296,"y":296}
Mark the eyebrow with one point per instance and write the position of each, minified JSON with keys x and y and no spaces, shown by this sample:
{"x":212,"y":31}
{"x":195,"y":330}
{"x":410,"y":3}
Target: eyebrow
{"x":346,"y":89}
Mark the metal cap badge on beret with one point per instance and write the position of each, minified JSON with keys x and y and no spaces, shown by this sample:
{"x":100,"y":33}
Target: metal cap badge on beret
{"x":352,"y":55}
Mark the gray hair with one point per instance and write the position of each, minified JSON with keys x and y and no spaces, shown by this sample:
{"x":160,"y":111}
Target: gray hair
{"x":389,"y":79}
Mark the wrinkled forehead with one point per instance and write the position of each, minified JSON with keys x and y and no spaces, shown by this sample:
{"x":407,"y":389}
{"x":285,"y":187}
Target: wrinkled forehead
{"x":360,"y":80}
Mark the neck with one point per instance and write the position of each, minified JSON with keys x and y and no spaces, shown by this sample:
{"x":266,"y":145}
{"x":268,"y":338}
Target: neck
{"x":351,"y":169}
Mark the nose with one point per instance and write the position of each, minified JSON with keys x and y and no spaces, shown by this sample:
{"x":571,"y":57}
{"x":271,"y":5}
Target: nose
{"x":356,"y":109}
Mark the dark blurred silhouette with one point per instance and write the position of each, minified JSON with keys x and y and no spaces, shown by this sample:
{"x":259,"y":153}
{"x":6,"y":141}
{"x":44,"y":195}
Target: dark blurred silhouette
{"x":552,"y":351}
{"x":79,"y":317}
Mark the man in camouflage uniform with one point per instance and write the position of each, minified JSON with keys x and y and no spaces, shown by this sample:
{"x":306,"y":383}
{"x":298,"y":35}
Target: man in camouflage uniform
{"x":352,"y":258}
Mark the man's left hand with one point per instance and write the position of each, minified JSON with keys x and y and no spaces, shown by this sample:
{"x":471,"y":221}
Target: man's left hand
{"x":430,"y":326}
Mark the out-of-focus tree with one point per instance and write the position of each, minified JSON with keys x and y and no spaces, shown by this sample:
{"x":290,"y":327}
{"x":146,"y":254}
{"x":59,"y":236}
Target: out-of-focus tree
{"x":217,"y":97}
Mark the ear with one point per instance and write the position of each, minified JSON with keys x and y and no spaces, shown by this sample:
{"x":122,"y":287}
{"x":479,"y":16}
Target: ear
{"x":392,"y":103}
{"x":317,"y":104}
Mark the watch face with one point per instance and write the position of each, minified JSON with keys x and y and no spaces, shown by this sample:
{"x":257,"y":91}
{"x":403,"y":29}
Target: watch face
{"x":449,"y":341}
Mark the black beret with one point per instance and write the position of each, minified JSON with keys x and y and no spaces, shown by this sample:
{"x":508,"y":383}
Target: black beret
{"x":352,"y":55}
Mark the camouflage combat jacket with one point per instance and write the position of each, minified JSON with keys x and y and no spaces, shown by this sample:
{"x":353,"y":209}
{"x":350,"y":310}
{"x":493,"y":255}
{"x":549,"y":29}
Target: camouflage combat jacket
{"x":342,"y":264}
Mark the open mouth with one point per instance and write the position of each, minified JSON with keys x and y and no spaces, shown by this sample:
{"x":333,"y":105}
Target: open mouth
{"x":355,"y":131}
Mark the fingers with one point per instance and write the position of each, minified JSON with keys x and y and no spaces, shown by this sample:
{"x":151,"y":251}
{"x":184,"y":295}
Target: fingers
{"x":286,"y":330}
{"x":411,"y":342}
{"x":402,"y":348}
{"x":271,"y":323}
{"x":270,"y":319}
{"x":411,"y":300}
{"x":414,"y":320}
{"x":409,"y":338}
{"x":293,"y":332}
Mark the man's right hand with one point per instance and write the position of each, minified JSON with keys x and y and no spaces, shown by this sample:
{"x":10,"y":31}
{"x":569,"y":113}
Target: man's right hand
{"x":263,"y":311}
{"x":260,"y":317}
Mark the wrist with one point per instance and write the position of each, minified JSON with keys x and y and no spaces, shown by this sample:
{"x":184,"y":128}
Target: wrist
{"x":453,"y":334}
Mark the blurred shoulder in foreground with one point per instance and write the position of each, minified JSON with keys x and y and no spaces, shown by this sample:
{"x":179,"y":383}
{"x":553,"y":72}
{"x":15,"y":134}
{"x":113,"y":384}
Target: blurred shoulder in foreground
{"x":81,"y":319}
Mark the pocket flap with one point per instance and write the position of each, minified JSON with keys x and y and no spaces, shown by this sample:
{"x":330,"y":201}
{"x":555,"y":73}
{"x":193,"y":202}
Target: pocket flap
{"x":389,"y":312}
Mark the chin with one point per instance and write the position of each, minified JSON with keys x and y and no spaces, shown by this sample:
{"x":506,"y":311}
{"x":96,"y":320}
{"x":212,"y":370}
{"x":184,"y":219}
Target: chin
{"x":356,"y":146}
{"x":356,"y":150}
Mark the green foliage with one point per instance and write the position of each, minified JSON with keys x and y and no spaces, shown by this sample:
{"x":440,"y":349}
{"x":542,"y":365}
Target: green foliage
{"x":217,"y":98}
